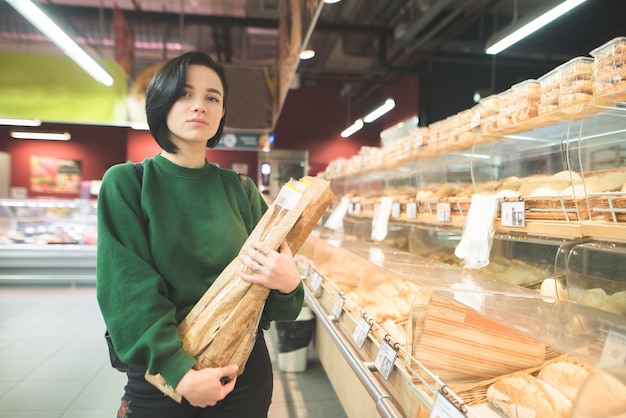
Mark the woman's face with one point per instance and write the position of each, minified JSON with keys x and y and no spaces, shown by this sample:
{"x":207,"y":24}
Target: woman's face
{"x":196,"y":115}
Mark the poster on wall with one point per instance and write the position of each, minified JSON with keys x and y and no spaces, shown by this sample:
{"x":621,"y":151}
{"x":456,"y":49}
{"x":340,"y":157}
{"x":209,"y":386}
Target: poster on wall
{"x":55,"y":175}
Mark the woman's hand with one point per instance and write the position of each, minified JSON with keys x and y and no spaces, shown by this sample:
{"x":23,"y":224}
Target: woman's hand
{"x":204,"y":387}
{"x":273,"y":269}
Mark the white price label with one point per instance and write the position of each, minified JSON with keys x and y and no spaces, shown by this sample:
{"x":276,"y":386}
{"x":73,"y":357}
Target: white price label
{"x":357,"y":209}
{"x":513,"y":214}
{"x":316,"y":281}
{"x":411,"y":210}
{"x":395,"y":210}
{"x":360,"y":333}
{"x":475,"y":121}
{"x":350,"y":208}
{"x":385,"y":359}
{"x":443,"y":211}
{"x":444,"y":408}
{"x":288,"y":196}
{"x":614,"y":350}
{"x":338,"y":306}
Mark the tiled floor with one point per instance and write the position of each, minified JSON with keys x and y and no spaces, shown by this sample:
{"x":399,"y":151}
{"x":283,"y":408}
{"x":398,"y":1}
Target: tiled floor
{"x":54,"y":364}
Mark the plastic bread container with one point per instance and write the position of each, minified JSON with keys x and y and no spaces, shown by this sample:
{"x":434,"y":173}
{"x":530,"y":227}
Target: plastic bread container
{"x":610,"y":71}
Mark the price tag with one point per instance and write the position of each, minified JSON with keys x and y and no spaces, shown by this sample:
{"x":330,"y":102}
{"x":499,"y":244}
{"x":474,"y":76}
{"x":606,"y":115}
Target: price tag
{"x":395,"y":210}
{"x":357,"y":209}
{"x":377,"y":256}
{"x":443,"y":211}
{"x":614,"y":350}
{"x":338,"y":306}
{"x":316,"y":281}
{"x":385,"y":359}
{"x":513,"y":214}
{"x":411,"y":210}
{"x":360,"y":333}
{"x":307,"y":269}
{"x":419,"y":140}
{"x":475,"y":121}
{"x":350,"y":208}
{"x":444,"y":408}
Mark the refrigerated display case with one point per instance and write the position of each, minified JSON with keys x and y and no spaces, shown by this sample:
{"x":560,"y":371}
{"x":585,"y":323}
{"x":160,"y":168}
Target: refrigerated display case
{"x":47,"y":241}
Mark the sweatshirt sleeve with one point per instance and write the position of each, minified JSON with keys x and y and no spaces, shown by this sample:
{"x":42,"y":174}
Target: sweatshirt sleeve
{"x":132,"y":296}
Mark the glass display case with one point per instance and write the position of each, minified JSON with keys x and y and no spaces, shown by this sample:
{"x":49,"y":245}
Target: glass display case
{"x":555,"y":283}
{"x":48,"y":240}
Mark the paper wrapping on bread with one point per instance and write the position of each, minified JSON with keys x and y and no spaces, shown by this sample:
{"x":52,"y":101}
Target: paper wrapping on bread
{"x":221,"y":328}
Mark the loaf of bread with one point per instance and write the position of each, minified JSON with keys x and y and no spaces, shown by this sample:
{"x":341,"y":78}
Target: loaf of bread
{"x":521,"y":395}
{"x":602,"y":396}
{"x":566,"y":375}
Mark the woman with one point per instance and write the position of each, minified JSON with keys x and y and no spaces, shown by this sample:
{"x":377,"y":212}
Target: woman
{"x":165,"y":236}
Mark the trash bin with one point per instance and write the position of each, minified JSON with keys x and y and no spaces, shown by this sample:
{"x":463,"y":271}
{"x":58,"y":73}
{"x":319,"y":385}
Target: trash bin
{"x":293,"y":341}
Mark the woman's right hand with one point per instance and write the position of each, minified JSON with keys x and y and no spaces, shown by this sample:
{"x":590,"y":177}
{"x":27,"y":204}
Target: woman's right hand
{"x":204,"y":387}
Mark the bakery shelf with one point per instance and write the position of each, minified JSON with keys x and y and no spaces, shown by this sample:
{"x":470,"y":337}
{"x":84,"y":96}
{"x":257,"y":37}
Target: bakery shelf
{"x":561,"y":326}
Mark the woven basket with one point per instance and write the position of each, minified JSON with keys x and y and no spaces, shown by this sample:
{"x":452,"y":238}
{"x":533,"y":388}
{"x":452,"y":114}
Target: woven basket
{"x":476,"y":393}
{"x":557,"y":208}
{"x":612,"y":207}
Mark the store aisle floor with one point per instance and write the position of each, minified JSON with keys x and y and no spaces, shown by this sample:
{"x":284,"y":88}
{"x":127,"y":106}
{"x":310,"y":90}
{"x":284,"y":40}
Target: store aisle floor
{"x":54,"y":364}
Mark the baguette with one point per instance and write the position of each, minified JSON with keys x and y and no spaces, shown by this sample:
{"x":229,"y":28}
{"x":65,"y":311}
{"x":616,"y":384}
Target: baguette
{"x":521,"y":395}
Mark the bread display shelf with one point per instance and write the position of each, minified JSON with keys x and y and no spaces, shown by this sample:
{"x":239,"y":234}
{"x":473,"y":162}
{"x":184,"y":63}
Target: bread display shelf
{"x":559,"y":328}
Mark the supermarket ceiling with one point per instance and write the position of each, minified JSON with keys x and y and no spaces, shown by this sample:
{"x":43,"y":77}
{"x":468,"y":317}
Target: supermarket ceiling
{"x":356,"y":41}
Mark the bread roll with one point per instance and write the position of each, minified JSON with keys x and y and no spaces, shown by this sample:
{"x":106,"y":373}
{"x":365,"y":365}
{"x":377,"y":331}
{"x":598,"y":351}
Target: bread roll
{"x":568,"y":175}
{"x":616,"y":303}
{"x":608,"y":182}
{"x":527,"y":187}
{"x":595,"y":297}
{"x":550,"y":188}
{"x":566,"y":376}
{"x":521,"y":395}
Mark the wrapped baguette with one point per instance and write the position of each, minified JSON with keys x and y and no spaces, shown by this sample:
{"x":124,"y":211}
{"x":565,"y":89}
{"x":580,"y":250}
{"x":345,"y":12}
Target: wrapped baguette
{"x":521,"y":395}
{"x":221,"y":328}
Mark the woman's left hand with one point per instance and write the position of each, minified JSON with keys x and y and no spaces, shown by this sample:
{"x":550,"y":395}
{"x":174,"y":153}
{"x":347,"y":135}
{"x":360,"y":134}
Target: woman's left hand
{"x":273,"y":269}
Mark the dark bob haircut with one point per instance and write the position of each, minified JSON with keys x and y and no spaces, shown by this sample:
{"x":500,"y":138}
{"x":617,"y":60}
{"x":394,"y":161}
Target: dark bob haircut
{"x":165,"y":89}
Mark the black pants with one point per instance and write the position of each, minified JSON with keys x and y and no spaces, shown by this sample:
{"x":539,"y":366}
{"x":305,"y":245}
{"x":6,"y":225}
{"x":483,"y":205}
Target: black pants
{"x":251,"y":397}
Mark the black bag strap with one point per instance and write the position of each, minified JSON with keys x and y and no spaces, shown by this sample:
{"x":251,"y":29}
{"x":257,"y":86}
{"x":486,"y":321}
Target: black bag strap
{"x":139,"y":168}
{"x":244,"y":183}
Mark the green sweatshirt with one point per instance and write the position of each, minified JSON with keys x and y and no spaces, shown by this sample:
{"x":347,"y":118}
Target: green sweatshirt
{"x":158,"y":253}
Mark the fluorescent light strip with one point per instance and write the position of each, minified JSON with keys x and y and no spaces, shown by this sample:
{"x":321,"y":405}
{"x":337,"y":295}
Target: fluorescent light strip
{"x":376,"y":113}
{"x":45,"y":25}
{"x":357,"y":125}
{"x":20,"y":122}
{"x":531,"y":26}
{"x":52,"y":136}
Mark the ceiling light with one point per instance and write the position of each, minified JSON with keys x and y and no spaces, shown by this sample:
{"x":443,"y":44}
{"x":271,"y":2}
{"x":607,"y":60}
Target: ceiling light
{"x":331,"y":1}
{"x":521,"y":29}
{"x":307,"y":54}
{"x":139,"y":126}
{"x":358,"y":124}
{"x":51,"y":136}
{"x":46,"y":26}
{"x":376,"y":113}
{"x":20,"y":122}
